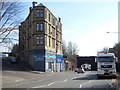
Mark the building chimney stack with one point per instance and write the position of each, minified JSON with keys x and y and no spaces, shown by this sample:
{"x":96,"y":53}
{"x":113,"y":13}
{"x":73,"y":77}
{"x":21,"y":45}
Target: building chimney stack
{"x":34,"y":3}
{"x":59,"y":19}
{"x":30,"y":9}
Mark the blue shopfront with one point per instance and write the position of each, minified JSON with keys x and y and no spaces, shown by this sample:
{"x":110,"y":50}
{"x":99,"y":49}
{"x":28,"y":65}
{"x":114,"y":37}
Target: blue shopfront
{"x":39,"y":62}
{"x":59,"y":63}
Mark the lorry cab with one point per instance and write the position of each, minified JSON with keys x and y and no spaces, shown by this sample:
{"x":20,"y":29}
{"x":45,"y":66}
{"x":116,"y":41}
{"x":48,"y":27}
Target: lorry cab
{"x":106,"y":64}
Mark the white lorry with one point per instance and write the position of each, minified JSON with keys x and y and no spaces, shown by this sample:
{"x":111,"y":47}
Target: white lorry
{"x":106,"y":64}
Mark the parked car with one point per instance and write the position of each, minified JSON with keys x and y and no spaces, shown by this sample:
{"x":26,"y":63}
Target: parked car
{"x":80,"y":70}
{"x":13,"y":60}
{"x":76,"y":69}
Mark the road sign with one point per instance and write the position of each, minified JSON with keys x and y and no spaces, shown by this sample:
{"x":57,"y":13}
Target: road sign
{"x":64,"y":60}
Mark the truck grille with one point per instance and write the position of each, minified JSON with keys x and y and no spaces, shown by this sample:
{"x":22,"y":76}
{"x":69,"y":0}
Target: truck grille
{"x":106,"y":66}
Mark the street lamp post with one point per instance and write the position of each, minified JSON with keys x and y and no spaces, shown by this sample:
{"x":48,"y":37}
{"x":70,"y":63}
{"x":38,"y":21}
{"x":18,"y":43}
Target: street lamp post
{"x":118,"y":35}
{"x":117,"y":47}
{"x":113,"y":32}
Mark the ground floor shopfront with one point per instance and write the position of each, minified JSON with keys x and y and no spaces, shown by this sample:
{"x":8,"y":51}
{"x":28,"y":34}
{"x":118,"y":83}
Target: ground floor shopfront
{"x":59,"y":63}
{"x":44,"y":60}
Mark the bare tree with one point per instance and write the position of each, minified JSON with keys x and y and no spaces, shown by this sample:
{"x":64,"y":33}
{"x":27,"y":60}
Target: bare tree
{"x":15,"y":50}
{"x":116,"y":50}
{"x":11,"y":13}
{"x":105,"y":49}
{"x":70,"y":50}
{"x":64,"y":48}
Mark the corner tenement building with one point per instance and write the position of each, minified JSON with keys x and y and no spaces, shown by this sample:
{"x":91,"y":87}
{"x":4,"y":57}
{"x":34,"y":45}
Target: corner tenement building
{"x":40,"y":40}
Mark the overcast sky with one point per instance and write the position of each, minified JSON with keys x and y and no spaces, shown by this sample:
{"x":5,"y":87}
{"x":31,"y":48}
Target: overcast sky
{"x":86,"y":23}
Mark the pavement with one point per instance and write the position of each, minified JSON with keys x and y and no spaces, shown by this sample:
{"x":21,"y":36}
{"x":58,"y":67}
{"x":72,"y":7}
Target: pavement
{"x":13,"y":73}
{"x":19,"y":76}
{"x":117,"y":83}
{"x":16,"y":73}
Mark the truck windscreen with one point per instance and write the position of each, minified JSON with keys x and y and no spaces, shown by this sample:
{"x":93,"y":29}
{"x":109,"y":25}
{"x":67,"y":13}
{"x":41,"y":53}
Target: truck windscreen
{"x":105,"y":59}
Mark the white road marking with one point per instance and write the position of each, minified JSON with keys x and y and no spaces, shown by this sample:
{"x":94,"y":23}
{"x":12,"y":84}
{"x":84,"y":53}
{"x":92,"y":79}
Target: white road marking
{"x":80,"y":85}
{"x":62,"y":81}
{"x":86,"y":83}
{"x":113,"y":80}
{"x":111,"y":84}
{"x":79,"y":76}
{"x":94,"y":80}
{"x":74,"y":77}
{"x":49,"y":84}
{"x":19,"y":80}
{"x":37,"y":81}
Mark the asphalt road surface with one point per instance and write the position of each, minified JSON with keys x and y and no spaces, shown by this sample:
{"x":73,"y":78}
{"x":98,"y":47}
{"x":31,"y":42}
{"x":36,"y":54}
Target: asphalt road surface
{"x":51,"y":80}
{"x":64,"y":80}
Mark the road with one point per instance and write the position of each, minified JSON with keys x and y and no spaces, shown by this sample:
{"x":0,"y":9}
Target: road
{"x":17,"y":78}
{"x":64,"y":80}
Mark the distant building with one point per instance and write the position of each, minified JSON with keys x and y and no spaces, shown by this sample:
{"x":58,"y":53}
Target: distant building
{"x":40,"y":40}
{"x":87,"y":60}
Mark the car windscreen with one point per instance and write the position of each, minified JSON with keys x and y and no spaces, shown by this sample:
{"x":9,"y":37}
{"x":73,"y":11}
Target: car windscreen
{"x":105,"y":59}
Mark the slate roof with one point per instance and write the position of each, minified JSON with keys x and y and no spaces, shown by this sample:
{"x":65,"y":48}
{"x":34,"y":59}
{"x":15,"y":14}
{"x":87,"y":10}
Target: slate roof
{"x":40,"y":5}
